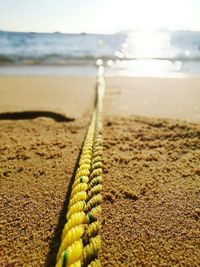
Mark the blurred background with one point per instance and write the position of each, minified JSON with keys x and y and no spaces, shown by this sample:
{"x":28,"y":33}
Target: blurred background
{"x":155,"y":38}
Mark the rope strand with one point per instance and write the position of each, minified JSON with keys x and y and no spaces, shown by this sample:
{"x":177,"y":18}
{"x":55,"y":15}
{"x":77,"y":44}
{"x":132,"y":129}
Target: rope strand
{"x":80,"y":242}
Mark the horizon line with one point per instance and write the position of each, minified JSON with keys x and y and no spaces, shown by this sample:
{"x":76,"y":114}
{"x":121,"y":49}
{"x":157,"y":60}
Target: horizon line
{"x":102,"y":33}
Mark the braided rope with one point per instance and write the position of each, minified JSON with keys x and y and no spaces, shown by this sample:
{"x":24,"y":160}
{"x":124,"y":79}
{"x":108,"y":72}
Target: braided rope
{"x":80,"y":241}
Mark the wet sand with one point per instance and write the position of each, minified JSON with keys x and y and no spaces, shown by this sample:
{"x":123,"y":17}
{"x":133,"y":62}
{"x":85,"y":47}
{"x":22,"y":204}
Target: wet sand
{"x":71,"y":96}
{"x":177,"y":98}
{"x":151,"y":169}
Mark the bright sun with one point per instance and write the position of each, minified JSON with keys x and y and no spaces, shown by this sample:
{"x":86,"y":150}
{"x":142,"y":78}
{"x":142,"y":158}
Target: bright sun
{"x":147,"y":45}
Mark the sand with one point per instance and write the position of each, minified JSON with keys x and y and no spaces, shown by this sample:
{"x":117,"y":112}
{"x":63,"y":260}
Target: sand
{"x":72,"y":97}
{"x":177,"y":98}
{"x":38,"y":158}
{"x":151,"y":185}
{"x":151,"y":208}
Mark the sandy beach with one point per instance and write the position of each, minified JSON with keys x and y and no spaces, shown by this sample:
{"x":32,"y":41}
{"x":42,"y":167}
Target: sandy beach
{"x":150,"y":212}
{"x":72,"y":97}
{"x":151,"y":192}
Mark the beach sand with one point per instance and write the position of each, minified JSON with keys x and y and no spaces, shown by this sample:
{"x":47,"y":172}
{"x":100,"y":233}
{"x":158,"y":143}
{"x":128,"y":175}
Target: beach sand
{"x":151,"y":208}
{"x":37,"y":162}
{"x":72,"y":97}
{"x":177,"y":98}
{"x":151,"y":184}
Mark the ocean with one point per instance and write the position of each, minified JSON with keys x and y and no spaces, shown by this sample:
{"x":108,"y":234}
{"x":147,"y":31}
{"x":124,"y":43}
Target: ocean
{"x":129,"y":53}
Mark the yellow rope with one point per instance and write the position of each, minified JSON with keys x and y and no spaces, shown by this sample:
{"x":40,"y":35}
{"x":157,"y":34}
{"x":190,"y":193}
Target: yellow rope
{"x":80,"y":242}
{"x":95,"y":263}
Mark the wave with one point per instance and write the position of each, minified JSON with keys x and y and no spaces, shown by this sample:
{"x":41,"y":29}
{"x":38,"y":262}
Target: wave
{"x":177,"y":58}
{"x":50,"y":59}
{"x":58,"y":59}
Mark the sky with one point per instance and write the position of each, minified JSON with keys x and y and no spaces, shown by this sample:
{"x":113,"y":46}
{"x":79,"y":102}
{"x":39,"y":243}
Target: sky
{"x":98,"y":16}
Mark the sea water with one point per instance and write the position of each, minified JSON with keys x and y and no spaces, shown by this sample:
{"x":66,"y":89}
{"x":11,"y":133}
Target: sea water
{"x":132,"y":53}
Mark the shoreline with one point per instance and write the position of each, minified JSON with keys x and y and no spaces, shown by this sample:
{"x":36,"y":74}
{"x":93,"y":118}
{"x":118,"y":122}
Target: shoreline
{"x":88,"y":70}
{"x":153,"y":97}
{"x":73,"y":96}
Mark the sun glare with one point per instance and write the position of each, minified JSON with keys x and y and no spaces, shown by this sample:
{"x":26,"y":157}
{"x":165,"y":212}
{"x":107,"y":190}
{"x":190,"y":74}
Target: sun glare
{"x":147,"y":45}
{"x":148,"y":49}
{"x":147,"y":53}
